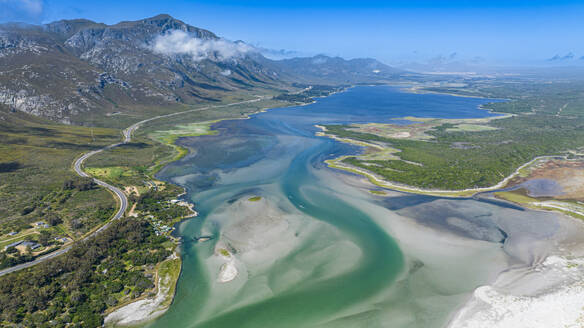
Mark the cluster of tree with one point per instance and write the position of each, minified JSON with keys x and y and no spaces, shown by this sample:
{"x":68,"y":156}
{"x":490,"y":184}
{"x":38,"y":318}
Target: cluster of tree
{"x":294,"y":97}
{"x":308,"y":95}
{"x":9,"y":166}
{"x":53,"y":219}
{"x":74,"y":290}
{"x":80,"y":184}
{"x":7,"y":261}
{"x":533,"y":96}
{"x":156,"y":203}
{"x":492,"y":155}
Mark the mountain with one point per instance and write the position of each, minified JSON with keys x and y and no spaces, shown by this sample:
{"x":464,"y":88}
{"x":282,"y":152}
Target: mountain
{"x":63,"y":69}
{"x":325,"y":69}
{"x":70,"y":69}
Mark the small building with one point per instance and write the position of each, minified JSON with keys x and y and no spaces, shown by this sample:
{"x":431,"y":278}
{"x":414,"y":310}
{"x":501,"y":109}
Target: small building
{"x":30,"y":244}
{"x":13,"y":233}
{"x":14,"y":244}
{"x":41,"y":224}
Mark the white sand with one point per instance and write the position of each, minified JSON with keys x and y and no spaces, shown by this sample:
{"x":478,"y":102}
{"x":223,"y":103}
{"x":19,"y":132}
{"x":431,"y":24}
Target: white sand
{"x":140,"y":311}
{"x":228,"y":272}
{"x":540,"y":286}
{"x":557,"y":300}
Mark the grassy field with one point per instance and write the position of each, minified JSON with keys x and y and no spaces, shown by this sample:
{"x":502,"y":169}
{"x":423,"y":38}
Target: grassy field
{"x":35,"y":163}
{"x":123,"y":116}
{"x":169,"y":271}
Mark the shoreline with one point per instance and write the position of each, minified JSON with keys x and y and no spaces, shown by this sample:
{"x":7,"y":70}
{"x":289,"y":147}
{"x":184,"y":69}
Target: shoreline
{"x":418,"y":89}
{"x":335,"y":163}
{"x":151,"y":307}
{"x":380,"y":182}
{"x":146,"y":309}
{"x":556,"y":206}
{"x":538,"y":294}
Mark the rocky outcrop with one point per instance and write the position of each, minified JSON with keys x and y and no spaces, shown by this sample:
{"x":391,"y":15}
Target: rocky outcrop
{"x":70,"y":67}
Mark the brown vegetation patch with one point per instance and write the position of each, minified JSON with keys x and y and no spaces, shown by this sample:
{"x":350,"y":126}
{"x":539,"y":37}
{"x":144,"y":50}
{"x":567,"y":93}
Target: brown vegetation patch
{"x":568,"y":173}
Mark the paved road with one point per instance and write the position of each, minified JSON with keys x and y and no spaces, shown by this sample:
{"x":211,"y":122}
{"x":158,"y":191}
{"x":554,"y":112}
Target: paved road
{"x":35,"y":262}
{"x":78,"y":167}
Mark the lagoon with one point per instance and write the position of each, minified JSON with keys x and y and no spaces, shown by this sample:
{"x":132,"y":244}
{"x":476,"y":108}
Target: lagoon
{"x":315,"y":248}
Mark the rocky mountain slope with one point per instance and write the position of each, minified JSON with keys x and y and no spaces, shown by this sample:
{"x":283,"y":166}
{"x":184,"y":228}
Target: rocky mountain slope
{"x":67,"y":69}
{"x":62,"y":69}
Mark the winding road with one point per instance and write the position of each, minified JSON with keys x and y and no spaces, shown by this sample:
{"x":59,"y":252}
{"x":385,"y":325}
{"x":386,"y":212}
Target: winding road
{"x":123,"y":200}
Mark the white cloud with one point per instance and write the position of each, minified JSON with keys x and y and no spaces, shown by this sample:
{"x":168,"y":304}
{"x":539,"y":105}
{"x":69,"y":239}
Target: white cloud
{"x":21,"y":10}
{"x":181,"y":43}
{"x":281,"y":54}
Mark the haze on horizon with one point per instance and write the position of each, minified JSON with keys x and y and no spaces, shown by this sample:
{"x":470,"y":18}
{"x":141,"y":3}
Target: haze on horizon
{"x":399,"y":33}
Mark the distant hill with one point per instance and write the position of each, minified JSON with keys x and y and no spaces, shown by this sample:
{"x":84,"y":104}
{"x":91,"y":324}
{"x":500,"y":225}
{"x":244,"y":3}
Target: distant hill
{"x":325,"y":69}
{"x":67,"y":69}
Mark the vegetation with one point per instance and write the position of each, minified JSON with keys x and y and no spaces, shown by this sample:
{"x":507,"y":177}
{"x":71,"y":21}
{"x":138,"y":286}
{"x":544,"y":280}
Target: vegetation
{"x":122,"y":269}
{"x":532,"y":96}
{"x":255,"y":198}
{"x":118,"y":266}
{"x":38,"y":185}
{"x":170,"y":268}
{"x":307,"y":95}
{"x":520,"y":196}
{"x":461,"y":157}
{"x":73,"y":290}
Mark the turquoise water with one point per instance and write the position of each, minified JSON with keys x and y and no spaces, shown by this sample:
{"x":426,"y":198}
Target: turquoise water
{"x":318,"y":249}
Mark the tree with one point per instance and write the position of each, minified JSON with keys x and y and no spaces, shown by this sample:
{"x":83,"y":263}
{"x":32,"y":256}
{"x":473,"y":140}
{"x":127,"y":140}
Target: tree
{"x":53,"y":219}
{"x":44,"y":238}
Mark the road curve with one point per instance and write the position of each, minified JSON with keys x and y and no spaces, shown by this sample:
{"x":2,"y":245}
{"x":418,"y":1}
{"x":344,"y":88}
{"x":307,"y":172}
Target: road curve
{"x":78,"y":167}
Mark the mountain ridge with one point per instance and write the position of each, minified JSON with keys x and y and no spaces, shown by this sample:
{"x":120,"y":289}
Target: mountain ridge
{"x":65,"y":69}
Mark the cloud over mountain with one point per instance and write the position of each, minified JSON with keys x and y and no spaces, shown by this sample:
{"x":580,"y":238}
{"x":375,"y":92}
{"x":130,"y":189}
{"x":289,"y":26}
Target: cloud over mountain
{"x":279,"y":53}
{"x":178,"y":42}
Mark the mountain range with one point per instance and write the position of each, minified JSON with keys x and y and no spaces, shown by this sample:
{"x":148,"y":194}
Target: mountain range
{"x":68,"y":68}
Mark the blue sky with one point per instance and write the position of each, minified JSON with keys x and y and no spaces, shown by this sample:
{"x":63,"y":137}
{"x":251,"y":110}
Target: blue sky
{"x":500,"y":32}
